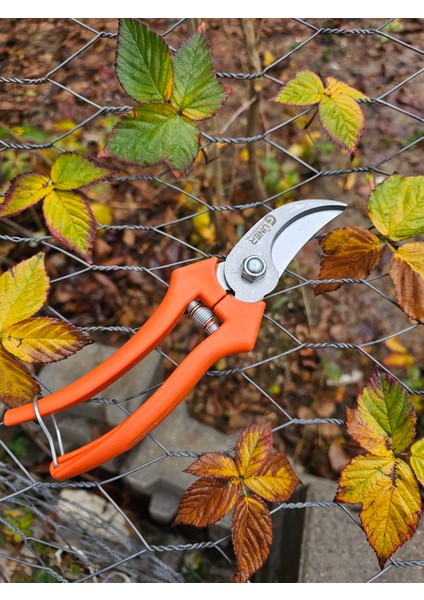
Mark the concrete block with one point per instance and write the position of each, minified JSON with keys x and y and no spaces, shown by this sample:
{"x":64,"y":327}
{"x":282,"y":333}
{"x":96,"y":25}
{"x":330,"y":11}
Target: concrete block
{"x":162,"y":476}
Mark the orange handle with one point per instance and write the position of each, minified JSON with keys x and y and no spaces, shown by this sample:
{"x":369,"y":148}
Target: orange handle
{"x":238,"y":333}
{"x":187,"y":283}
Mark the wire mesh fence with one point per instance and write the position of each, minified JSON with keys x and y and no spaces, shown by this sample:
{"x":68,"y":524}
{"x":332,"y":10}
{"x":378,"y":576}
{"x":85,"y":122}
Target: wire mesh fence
{"x":59,"y":93}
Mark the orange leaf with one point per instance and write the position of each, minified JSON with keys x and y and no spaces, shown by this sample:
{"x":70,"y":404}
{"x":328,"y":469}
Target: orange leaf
{"x":17,"y":385}
{"x":275,"y":481}
{"x":214,"y":464}
{"x":252,"y":536}
{"x":253,"y":448}
{"x":349,"y":252}
{"x":207,"y":501}
{"x":43,"y":339}
{"x":407,"y":273}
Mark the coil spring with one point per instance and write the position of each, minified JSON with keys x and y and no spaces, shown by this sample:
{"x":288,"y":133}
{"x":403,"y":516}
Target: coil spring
{"x":203,"y":317}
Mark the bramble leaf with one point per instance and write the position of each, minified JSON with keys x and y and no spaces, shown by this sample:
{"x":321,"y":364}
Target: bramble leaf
{"x":258,"y":474}
{"x":43,"y":339}
{"x":143,"y":63}
{"x":304,"y":89}
{"x":396,"y":207}
{"x":23,"y":290}
{"x":214,"y":464}
{"x":417,"y":460}
{"x":24,"y":191}
{"x":275,"y":481}
{"x":197,"y":92}
{"x":206,"y":501}
{"x":70,"y":219}
{"x":348,"y":252}
{"x":253,"y":448}
{"x":342,"y":120}
{"x":17,"y":386}
{"x":391,"y":503}
{"x":155,"y":133}
{"x":340,"y":115}
{"x":71,"y":171}
{"x":384,"y":420}
{"x":407,"y":273}
{"x":252,"y":535}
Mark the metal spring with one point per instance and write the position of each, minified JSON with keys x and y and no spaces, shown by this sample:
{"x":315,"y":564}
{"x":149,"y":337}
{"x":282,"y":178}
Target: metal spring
{"x":203,"y":316}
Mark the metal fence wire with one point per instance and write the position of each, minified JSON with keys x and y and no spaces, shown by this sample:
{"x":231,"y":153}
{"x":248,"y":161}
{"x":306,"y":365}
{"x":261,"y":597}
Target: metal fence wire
{"x":59,"y":93}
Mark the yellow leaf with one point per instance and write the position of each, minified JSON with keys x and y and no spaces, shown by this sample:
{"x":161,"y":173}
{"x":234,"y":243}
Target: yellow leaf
{"x":334,"y":86}
{"x":23,"y":290}
{"x":342,"y":119}
{"x":304,"y":89}
{"x":25,"y":190}
{"x":43,"y":339}
{"x":268,"y":58}
{"x":17,"y":385}
{"x":417,"y":460}
{"x":275,"y":481}
{"x":214,"y":464}
{"x":253,"y":448}
{"x":399,"y":360}
{"x":205,"y":227}
{"x":395,"y":345}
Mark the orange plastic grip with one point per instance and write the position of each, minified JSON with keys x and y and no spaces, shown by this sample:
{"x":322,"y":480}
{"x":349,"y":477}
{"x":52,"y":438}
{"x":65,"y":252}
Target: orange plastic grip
{"x":187,"y":283}
{"x":238,"y":333}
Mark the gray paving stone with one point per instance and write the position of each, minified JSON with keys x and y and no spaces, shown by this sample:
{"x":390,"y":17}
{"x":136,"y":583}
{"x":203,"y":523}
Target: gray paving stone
{"x":162,"y":477}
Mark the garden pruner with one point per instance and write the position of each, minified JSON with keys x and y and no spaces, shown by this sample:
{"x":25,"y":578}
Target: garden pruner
{"x":223,"y":298}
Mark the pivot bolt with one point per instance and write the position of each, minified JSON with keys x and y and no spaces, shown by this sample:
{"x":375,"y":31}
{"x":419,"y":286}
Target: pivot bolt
{"x":254,"y":267}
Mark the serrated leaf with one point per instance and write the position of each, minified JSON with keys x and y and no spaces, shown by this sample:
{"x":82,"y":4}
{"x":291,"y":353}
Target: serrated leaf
{"x":43,"y":339}
{"x":197,"y":92}
{"x":23,"y":290}
{"x":70,"y":219}
{"x":24,"y":191}
{"x":342,"y":119}
{"x":143,"y":63}
{"x":384,"y":419}
{"x":334,"y":86}
{"x":214,"y":464}
{"x":71,"y":171}
{"x":304,"y":89}
{"x":417,"y":460}
{"x":407,"y":273}
{"x":206,"y":501}
{"x":349,"y":252}
{"x":155,"y":133}
{"x":253,"y":448}
{"x":391,"y":503}
{"x":252,"y":536}
{"x":17,"y":386}
{"x":275,"y":481}
{"x":396,"y":207}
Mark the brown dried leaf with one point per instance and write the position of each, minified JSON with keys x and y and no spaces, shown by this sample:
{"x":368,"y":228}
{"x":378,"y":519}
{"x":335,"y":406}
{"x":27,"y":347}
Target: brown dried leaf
{"x":349,"y":252}
{"x":407,"y":273}
{"x":252,"y":536}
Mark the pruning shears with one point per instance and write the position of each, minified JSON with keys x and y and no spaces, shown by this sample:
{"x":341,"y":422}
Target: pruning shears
{"x":225,"y":299}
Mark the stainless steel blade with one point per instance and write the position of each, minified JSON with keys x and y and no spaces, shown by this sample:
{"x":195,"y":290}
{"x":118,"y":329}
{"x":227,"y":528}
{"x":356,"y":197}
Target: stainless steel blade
{"x":272,"y":244}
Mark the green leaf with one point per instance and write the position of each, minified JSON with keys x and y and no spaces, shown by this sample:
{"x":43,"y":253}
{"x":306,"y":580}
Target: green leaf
{"x":342,"y":119}
{"x":24,"y":191}
{"x":305,"y":89}
{"x":17,"y":386}
{"x":417,"y":460}
{"x":396,"y":207}
{"x":197,"y":91}
{"x":384,"y":420}
{"x":143,"y":63}
{"x":71,"y":171}
{"x":43,"y":339}
{"x":155,"y":133}
{"x":23,"y":290}
{"x":70,"y":219}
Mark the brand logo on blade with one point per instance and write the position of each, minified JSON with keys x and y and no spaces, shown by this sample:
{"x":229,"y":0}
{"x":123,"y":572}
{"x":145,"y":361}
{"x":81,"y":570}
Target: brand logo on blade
{"x":266,"y":225}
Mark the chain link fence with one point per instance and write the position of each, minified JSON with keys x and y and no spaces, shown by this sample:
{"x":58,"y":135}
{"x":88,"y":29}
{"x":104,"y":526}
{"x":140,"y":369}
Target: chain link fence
{"x":59,"y":93}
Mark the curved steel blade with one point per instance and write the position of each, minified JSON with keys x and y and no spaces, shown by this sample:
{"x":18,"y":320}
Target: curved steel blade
{"x":275,"y":240}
